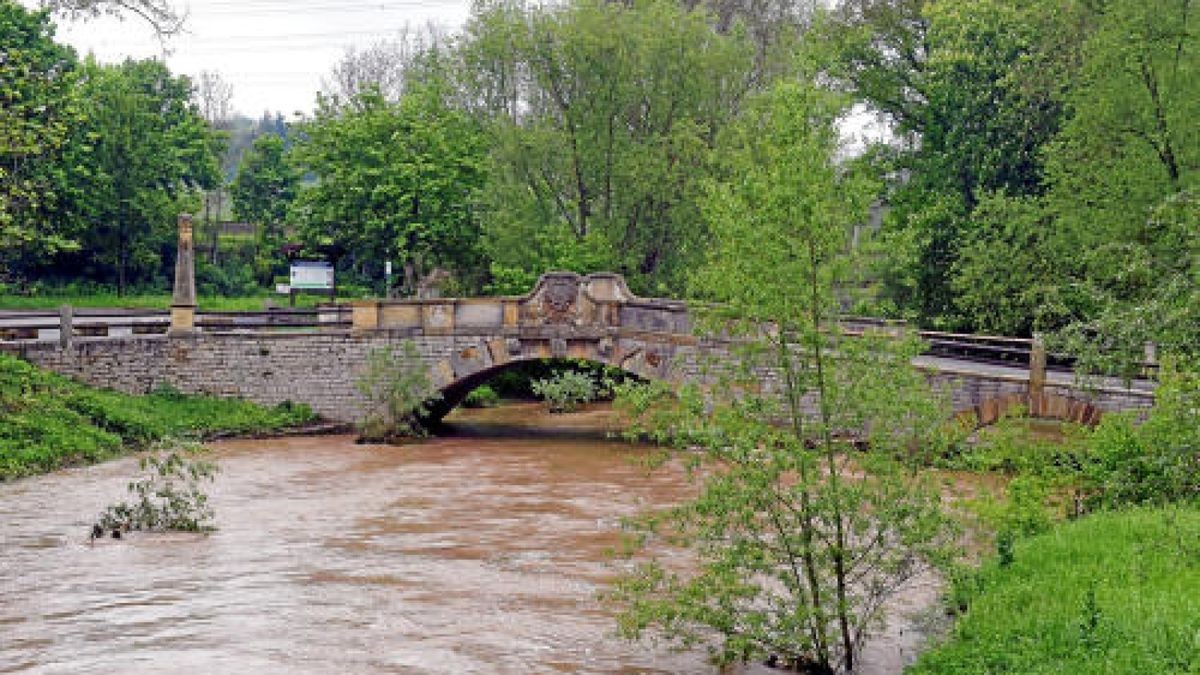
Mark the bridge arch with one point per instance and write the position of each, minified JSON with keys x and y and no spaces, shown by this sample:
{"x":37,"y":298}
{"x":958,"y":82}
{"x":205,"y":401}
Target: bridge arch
{"x":454,"y":393}
{"x":1048,"y":406}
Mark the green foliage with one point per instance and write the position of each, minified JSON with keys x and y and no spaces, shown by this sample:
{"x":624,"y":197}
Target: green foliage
{"x":48,"y":422}
{"x":482,"y":396}
{"x":1157,"y":461}
{"x":397,"y":390}
{"x":264,"y":189}
{"x":657,"y":412}
{"x":149,"y":150}
{"x":1123,"y":178}
{"x":168,"y":495}
{"x":602,"y":118}
{"x":1132,"y":138}
{"x":1010,"y":274}
{"x":1112,"y":593}
{"x":1024,"y":512}
{"x":978,"y":83}
{"x":1014,"y":445}
{"x":265,"y":184}
{"x":566,"y":390}
{"x":797,"y":539}
{"x":39,"y":105}
{"x":395,"y":181}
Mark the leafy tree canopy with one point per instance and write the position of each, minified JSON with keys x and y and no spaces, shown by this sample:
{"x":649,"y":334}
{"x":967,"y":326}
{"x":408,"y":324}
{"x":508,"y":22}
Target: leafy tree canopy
{"x":394,"y":182}
{"x":38,"y":109}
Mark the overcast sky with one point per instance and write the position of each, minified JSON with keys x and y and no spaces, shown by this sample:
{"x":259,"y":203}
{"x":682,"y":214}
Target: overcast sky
{"x":273,"y":52}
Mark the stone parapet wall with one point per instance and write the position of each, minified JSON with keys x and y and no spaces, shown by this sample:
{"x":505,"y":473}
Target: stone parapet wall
{"x":464,"y":342}
{"x":320,"y":368}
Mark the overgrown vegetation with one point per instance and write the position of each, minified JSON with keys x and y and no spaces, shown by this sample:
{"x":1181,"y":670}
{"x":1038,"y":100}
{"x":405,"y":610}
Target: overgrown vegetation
{"x":797,"y":540}
{"x":1111,"y":593}
{"x":482,"y":396}
{"x":1095,"y":541}
{"x":167,"y":495}
{"x":397,"y":390}
{"x":1121,"y":462}
{"x":566,"y":391}
{"x":48,"y":421}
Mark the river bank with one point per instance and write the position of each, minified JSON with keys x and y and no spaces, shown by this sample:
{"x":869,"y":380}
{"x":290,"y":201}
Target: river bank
{"x":48,"y":422}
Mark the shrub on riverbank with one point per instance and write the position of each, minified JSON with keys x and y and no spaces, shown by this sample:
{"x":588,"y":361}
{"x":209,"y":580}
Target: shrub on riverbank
{"x":48,"y":421}
{"x":566,"y":390}
{"x":398,"y":390}
{"x":1114,"y":592}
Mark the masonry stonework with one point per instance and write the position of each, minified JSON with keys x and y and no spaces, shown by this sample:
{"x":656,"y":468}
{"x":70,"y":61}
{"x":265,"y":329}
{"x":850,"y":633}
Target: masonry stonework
{"x":464,"y":342}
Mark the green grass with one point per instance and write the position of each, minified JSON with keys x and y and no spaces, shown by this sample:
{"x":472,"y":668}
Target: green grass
{"x":158,"y":301}
{"x":48,"y":421}
{"x":1115,"y":592}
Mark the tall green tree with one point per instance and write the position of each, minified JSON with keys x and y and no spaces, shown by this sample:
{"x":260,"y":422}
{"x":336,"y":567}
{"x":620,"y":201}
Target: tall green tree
{"x":151,"y":151}
{"x":263,"y":191}
{"x":797,"y":539}
{"x":38,"y":110}
{"x":603,"y":116}
{"x":975,"y":90}
{"x":1132,"y":144}
{"x":394,"y":182}
{"x":1109,"y":247}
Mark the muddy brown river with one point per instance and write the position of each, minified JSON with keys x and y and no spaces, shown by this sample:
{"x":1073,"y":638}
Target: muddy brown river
{"x":477,"y":552}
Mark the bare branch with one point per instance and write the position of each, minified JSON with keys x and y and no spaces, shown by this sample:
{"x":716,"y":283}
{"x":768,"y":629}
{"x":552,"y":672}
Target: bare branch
{"x":163,"y":17}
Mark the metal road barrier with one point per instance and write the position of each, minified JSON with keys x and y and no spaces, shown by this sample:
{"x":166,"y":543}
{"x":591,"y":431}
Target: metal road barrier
{"x":67,"y":323}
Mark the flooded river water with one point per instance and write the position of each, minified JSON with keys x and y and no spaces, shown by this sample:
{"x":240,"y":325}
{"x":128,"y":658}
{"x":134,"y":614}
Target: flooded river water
{"x":478,"y":552}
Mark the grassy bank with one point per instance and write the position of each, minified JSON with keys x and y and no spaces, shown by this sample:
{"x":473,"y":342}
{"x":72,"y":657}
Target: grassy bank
{"x":1115,"y":592}
{"x":48,"y":421}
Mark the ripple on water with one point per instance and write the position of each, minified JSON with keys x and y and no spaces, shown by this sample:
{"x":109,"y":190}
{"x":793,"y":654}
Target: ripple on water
{"x":460,"y":554}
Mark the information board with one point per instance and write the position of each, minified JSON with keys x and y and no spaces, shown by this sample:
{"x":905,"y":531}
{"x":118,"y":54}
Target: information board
{"x":312,"y":276}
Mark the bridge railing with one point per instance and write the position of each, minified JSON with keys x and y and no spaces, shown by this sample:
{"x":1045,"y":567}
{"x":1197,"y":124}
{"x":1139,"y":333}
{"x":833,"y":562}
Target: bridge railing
{"x":66,"y":324}
{"x":32,"y":326}
{"x":988,"y":349}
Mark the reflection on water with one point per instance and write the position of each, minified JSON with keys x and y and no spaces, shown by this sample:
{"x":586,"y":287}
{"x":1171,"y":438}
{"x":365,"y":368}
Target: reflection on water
{"x":468,"y":553}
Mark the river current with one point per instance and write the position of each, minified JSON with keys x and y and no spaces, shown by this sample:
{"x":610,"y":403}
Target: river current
{"x":477,"y":552}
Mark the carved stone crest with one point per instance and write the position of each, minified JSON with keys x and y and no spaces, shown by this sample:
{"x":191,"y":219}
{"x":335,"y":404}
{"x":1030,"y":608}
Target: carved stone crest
{"x":558,"y":299}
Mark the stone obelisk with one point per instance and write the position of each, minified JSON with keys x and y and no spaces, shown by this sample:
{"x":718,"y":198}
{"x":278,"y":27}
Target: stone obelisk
{"x":183,"y":300}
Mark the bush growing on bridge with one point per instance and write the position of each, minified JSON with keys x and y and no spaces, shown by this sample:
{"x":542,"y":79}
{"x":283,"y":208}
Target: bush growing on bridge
{"x":397,"y":389}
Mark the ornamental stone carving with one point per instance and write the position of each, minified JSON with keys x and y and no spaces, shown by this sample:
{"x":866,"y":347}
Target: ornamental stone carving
{"x":559,"y":296}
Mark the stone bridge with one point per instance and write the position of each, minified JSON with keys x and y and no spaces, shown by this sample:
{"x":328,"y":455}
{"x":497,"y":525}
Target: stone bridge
{"x":466,"y":341}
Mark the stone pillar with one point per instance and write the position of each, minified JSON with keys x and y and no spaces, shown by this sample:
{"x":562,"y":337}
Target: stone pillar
{"x":66,"y":325}
{"x":183,"y":300}
{"x":1037,"y":375}
{"x":364,"y":315}
{"x":1149,"y":360}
